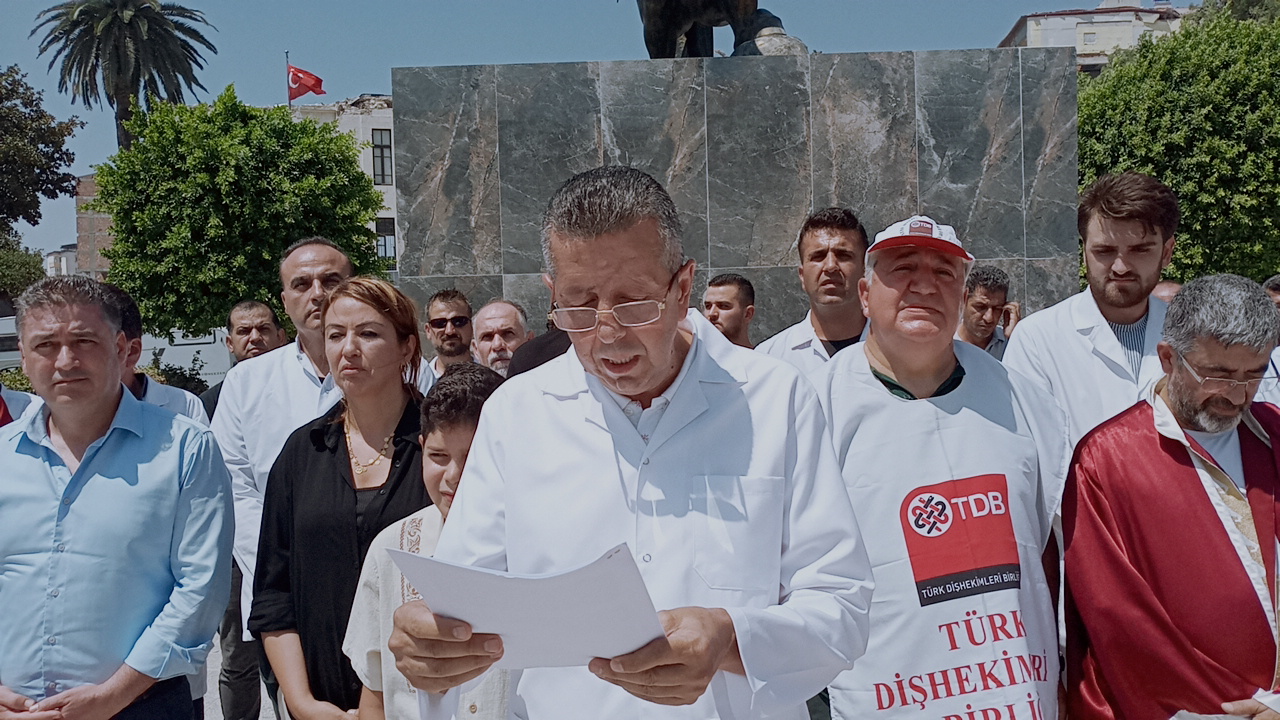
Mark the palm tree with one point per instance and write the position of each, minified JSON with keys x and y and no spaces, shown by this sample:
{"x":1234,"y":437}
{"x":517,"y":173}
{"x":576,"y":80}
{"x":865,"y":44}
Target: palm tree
{"x":135,"y":46}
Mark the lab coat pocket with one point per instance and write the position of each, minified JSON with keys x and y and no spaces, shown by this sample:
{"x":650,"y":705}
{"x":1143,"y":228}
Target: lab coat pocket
{"x":739,"y":547}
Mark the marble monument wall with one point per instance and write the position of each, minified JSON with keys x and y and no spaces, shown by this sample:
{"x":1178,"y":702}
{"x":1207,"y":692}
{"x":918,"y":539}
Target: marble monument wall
{"x":984,"y":140}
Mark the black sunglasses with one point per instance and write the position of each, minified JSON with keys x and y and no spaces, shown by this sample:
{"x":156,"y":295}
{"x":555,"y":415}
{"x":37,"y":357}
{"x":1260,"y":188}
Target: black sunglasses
{"x":459,"y":321}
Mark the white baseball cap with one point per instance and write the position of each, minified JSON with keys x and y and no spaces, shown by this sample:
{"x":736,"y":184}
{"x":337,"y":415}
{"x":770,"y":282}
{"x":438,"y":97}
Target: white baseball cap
{"x":921,"y":231}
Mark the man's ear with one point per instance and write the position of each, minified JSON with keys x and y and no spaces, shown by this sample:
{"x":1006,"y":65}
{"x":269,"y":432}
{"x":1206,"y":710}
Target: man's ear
{"x":133,"y":352}
{"x":685,"y":282}
{"x":1166,"y":254}
{"x":1166,"y":353}
{"x":749,"y":313}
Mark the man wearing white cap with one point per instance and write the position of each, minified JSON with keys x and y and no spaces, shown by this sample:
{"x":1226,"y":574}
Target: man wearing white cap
{"x":957,"y":466}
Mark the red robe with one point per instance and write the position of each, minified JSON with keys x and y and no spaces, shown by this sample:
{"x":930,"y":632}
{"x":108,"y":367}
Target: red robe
{"x":1161,"y":614}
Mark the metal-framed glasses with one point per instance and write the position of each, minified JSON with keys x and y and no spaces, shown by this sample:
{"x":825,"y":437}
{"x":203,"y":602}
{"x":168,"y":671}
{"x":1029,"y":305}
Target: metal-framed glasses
{"x":629,"y":314}
{"x":1222,"y":386}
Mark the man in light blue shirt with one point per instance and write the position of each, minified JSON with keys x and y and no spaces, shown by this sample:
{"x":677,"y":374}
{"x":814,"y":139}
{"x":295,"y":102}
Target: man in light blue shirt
{"x":115,"y":527}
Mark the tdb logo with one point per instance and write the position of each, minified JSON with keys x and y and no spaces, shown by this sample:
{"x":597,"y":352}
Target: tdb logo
{"x":931,"y":514}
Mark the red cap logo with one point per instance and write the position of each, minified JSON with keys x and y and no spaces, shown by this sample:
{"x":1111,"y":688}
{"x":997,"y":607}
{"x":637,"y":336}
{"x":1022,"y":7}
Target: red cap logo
{"x":920,"y":227}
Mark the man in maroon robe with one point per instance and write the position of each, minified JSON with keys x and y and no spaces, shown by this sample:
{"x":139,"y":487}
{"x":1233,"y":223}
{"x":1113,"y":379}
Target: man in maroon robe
{"x":1170,"y":525}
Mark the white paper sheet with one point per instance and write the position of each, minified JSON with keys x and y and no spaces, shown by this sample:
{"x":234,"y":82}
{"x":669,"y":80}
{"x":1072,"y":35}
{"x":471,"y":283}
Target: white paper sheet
{"x":563,"y":620}
{"x":1184,"y":715}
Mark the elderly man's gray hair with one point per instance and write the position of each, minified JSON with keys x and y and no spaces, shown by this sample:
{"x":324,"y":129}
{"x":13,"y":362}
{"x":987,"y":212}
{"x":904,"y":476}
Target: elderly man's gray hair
{"x":1228,"y":308}
{"x":65,"y":290}
{"x":607,"y":200}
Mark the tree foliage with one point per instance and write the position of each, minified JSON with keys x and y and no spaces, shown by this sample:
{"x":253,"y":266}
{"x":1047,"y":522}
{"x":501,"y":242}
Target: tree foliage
{"x":1200,"y":110}
{"x":19,"y":266}
{"x":1260,"y":10}
{"x":209,"y":196}
{"x":33,"y":155}
{"x":117,"y":49}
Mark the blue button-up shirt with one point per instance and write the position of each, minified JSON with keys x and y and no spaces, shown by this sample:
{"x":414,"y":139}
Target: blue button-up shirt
{"x":126,"y":560}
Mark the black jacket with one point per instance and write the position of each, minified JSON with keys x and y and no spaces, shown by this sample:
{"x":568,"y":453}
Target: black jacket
{"x":312,"y":547}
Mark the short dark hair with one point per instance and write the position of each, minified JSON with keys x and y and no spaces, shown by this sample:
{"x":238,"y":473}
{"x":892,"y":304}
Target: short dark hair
{"x":447,"y":296}
{"x":65,"y":290}
{"x":746,"y":291}
{"x":130,"y":316}
{"x":1130,"y":196}
{"x":1272,"y":284}
{"x":251,"y":306}
{"x":832,"y":218}
{"x":313,"y":240}
{"x":991,"y":278}
{"x":457,"y":396}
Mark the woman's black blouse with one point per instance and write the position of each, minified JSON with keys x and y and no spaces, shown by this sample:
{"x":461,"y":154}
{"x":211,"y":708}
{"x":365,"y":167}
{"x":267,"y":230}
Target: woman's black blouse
{"x":313,"y":542}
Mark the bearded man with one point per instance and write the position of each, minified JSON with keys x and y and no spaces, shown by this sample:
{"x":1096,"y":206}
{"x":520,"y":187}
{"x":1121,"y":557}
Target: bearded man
{"x":1170,"y":525}
{"x":1095,"y":351}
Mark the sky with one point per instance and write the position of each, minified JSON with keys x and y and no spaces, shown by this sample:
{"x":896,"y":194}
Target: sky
{"x":352,"y":46}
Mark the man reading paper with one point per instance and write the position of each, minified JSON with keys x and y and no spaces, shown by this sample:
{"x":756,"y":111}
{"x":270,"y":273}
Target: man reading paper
{"x":712,"y":462}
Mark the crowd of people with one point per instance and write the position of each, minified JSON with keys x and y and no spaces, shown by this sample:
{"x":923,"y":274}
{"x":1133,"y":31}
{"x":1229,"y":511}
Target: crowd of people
{"x":911,"y":503}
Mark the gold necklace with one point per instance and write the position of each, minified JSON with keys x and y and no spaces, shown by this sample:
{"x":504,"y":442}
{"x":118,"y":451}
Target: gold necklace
{"x":357,"y":466}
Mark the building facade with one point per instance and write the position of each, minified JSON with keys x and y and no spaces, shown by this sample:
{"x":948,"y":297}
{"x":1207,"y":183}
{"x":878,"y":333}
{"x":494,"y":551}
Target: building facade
{"x":369,"y":118}
{"x":1095,"y":34}
{"x":61,"y":261}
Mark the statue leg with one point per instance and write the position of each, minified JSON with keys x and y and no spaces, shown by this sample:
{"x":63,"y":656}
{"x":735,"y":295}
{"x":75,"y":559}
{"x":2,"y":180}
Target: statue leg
{"x":699,"y":41}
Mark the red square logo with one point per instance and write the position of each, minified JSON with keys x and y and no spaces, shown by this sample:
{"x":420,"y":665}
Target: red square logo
{"x":960,"y":538}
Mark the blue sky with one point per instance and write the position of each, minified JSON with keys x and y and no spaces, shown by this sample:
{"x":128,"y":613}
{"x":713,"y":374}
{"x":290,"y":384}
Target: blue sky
{"x":354,"y":45}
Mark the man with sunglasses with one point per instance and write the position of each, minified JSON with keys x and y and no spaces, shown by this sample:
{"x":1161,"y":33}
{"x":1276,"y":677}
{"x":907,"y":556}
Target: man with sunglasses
{"x":710,"y":461}
{"x":1171,"y":525}
{"x":448,"y":328}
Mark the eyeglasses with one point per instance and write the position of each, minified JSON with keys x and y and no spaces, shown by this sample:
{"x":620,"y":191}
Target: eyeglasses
{"x":630,"y":314}
{"x":1222,"y":386}
{"x":458,"y":322}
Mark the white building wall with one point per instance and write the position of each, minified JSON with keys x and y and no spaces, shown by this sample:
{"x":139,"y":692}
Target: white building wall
{"x":360,"y":117}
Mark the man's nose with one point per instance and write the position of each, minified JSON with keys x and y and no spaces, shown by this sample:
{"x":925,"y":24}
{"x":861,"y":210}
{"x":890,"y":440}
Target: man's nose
{"x":608,"y":329}
{"x":1120,"y":266}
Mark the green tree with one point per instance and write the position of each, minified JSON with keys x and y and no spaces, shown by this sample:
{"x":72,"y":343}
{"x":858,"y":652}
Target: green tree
{"x":1200,"y":110}
{"x":33,"y":154}
{"x":1260,"y":10}
{"x":209,"y":195}
{"x":118,"y":49}
{"x":19,"y":266}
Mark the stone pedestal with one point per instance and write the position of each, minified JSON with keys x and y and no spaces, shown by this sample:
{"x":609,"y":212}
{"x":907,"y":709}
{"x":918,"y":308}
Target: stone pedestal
{"x":984,"y":140}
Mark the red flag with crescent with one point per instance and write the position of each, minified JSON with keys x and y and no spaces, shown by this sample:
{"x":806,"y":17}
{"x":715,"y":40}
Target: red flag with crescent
{"x":302,"y":82}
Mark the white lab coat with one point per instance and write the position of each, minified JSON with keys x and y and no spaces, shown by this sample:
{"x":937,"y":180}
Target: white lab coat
{"x":1072,"y":352}
{"x":175,"y":400}
{"x":734,"y":502}
{"x":264,"y":399}
{"x":957,"y":496}
{"x":800,"y":346}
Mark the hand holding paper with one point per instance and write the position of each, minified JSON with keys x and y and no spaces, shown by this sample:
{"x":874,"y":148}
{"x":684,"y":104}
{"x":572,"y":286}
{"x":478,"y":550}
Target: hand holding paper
{"x":437,"y":653}
{"x":599,"y":610}
{"x":676,"y":669}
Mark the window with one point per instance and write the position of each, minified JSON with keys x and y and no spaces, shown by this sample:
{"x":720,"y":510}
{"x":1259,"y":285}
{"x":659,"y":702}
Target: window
{"x":385,"y":228}
{"x":1089,"y":39}
{"x":382,"y":158}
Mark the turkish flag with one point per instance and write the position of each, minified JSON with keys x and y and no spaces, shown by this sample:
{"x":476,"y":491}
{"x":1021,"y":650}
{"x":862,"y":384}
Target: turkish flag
{"x":302,"y":82}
